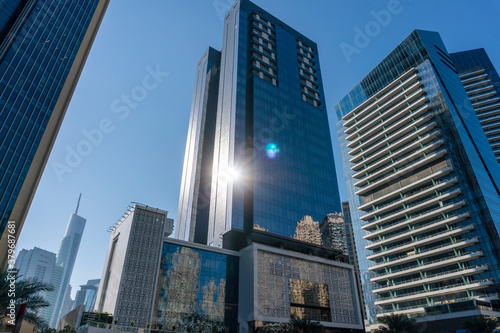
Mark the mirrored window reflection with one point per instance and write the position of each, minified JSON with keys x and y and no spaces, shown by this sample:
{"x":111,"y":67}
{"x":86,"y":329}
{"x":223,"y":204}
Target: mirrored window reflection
{"x":197,"y":290}
{"x":290,"y":286}
{"x":309,"y":300}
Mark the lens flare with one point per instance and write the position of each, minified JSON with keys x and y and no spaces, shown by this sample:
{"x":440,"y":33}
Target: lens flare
{"x":272,"y":150}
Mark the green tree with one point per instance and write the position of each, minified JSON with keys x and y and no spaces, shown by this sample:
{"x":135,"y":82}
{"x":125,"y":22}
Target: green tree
{"x":298,"y":325}
{"x":481,"y":325}
{"x":26,"y":291}
{"x":67,"y":329}
{"x":397,"y":324}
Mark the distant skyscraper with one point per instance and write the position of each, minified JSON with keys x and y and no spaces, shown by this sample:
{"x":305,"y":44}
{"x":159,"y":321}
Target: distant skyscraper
{"x":43,"y":47}
{"x":130,"y":269}
{"x":87,"y":295}
{"x":67,"y":304}
{"x":307,"y":230}
{"x":423,"y":188}
{"x":37,"y":264}
{"x":65,"y":262}
{"x":482,"y":83}
{"x":349,"y":233}
{"x":272,"y":153}
{"x":333,"y":231}
{"x":194,"y":200}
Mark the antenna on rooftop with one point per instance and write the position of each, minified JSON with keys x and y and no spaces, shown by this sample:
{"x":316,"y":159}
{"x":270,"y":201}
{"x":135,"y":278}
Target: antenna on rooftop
{"x":78,"y":204}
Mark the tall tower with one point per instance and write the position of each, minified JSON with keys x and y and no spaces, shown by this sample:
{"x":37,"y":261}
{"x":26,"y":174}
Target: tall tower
{"x":423,"y":187}
{"x":43,"y":47}
{"x":65,"y":261}
{"x":272,"y":152}
{"x":482,"y":84}
{"x":194,"y":199}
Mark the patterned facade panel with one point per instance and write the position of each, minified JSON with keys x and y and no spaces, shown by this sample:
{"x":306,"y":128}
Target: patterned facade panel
{"x":311,"y":290}
{"x":135,"y":300}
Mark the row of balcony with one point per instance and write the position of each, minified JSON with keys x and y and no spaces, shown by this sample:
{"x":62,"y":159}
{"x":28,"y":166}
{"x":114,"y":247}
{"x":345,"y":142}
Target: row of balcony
{"x":416,"y":309}
{"x":400,"y":216}
{"x":394,"y":143}
{"x":480,"y":90}
{"x":399,"y":173}
{"x":432,"y":278}
{"x":407,"y":198}
{"x":357,"y":113}
{"x":438,"y":291}
{"x":420,"y":241}
{"x":477,"y":83}
{"x":402,"y":103}
{"x":409,"y":190}
{"x":371,"y":146}
{"x":433,"y":264}
{"x":480,"y":97}
{"x":370,"y":164}
{"x":485,"y":102}
{"x":414,"y":231}
{"x":396,"y":162}
{"x":472,"y":74}
{"x":407,"y":115}
{"x":473,"y":78}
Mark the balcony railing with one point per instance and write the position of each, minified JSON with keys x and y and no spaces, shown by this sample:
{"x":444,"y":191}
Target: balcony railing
{"x":413,"y":217}
{"x":415,"y":163}
{"x":433,"y":222}
{"x":427,"y":263}
{"x":430,"y":276}
{"x":412,"y":204}
{"x":395,"y":297}
{"x":419,"y":239}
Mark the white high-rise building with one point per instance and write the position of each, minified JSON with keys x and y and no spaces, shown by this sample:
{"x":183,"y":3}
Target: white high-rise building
{"x":65,"y":261}
{"x":132,"y":262}
{"x":36,"y":263}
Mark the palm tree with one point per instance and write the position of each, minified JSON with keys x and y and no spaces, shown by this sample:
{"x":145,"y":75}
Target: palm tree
{"x":26,"y":291}
{"x":35,"y":320}
{"x":397,"y":324}
{"x":481,"y":325}
{"x":298,"y":325}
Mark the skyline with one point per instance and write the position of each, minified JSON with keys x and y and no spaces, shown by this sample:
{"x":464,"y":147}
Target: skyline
{"x":108,"y":187}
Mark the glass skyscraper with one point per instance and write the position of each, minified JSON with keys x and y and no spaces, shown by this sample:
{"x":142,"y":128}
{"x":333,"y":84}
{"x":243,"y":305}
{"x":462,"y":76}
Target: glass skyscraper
{"x":65,"y":261}
{"x":482,"y":83}
{"x":272,"y":152}
{"x":194,"y":200}
{"x":423,"y":187}
{"x":43,"y":47}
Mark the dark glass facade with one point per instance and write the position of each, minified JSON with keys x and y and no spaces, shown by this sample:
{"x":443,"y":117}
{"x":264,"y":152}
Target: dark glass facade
{"x":482,"y":84}
{"x":461,"y":159}
{"x":43,"y":45}
{"x":273,"y":157}
{"x":197,"y":289}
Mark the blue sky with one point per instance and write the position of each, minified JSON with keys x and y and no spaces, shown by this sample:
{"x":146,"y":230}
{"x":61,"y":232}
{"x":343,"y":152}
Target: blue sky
{"x":140,"y":153}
